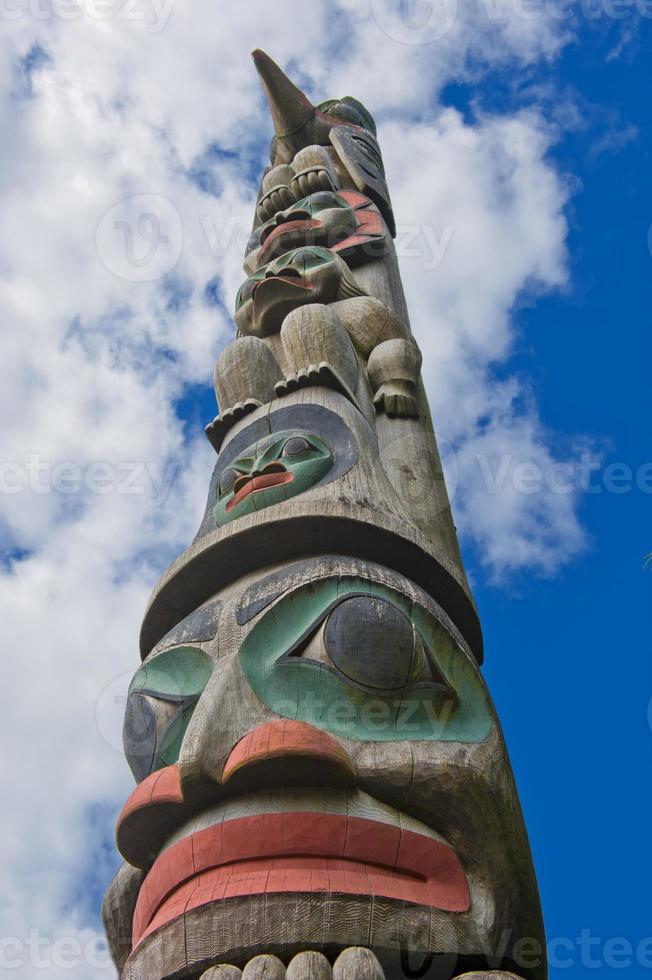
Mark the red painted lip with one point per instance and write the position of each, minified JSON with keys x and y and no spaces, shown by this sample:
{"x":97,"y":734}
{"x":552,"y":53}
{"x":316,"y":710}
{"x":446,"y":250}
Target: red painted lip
{"x":288,"y":280}
{"x":259,"y":483}
{"x":275,"y":853}
{"x":289,"y":227}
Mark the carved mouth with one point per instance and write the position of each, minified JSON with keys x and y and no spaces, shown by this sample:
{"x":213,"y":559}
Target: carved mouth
{"x":299,"y":852}
{"x":289,"y":235}
{"x":256,"y":483}
{"x":296,"y":281}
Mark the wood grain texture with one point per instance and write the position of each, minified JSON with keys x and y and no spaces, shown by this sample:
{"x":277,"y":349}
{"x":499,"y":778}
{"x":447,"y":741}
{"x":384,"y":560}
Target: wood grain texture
{"x":118,"y":911}
{"x":264,"y":967}
{"x":309,"y":966}
{"x":222,"y":972}
{"x":357,"y":963}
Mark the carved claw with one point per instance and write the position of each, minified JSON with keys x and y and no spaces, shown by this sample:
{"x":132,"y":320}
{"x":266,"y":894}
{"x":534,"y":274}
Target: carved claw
{"x":218,"y":428}
{"x":315,"y":374}
{"x":396,"y":402}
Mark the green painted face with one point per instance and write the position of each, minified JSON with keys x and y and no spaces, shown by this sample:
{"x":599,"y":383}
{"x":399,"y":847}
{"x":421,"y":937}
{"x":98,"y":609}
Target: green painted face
{"x":161,"y":701}
{"x":362,"y":661}
{"x":275,"y":469}
{"x":304,"y":275}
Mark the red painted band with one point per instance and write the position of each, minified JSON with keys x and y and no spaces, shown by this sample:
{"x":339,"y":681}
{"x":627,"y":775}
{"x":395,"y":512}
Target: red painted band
{"x":301,"y":224}
{"x":299,"y":852}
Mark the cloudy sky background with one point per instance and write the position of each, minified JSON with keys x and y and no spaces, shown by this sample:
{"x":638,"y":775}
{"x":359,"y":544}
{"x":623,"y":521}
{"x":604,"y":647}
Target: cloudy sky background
{"x":112,"y":324}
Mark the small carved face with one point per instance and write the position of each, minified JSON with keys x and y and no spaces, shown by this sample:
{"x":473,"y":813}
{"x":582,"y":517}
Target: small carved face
{"x":306,"y":275}
{"x":270,"y":471}
{"x":344,"y":221}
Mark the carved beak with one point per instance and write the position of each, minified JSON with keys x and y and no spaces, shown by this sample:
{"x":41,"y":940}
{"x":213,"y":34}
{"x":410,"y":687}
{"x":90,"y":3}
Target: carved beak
{"x":297,"y":122}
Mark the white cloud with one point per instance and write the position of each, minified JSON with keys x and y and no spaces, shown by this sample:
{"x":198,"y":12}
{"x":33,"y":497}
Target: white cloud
{"x":95,"y":112}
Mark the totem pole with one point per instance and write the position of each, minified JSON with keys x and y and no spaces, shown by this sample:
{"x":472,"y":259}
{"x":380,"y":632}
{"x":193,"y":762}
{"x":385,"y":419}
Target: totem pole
{"x":323,"y":788}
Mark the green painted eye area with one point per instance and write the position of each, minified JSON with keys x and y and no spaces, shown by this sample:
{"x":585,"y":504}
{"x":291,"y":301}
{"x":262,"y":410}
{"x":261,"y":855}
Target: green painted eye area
{"x":269,"y":472}
{"x":362,"y":661}
{"x":161,"y":701}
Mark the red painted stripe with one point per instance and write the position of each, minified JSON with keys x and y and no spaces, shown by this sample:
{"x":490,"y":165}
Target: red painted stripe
{"x":299,"y":852}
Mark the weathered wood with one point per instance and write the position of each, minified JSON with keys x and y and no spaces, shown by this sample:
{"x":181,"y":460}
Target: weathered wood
{"x":309,"y":966}
{"x":264,"y":967}
{"x":357,"y":963}
{"x":118,"y":911}
{"x":222,"y":972}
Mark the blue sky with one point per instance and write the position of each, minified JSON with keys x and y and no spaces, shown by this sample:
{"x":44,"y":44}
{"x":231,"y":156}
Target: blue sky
{"x":569,"y":658}
{"x":518,"y":152}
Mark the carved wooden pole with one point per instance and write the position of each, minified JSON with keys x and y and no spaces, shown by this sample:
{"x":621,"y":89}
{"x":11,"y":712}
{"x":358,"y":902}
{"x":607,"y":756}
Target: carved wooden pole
{"x":323,"y":785}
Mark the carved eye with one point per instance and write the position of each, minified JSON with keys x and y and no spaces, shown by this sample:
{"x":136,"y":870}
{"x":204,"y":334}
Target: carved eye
{"x":371,"y":642}
{"x":323,"y":199}
{"x":295,"y":446}
{"x":162,"y":698}
{"x":227,"y":481}
{"x":253,"y":243}
{"x":374,"y":645}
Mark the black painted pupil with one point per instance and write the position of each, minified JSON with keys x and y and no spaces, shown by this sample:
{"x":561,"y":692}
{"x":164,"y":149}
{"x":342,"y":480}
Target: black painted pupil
{"x":139,"y":736}
{"x":371,"y":642}
{"x":295,"y":446}
{"x":227,"y":481}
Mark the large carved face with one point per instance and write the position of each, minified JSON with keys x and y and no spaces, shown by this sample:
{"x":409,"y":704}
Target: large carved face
{"x":344,"y":221}
{"x":305,"y":275}
{"x":342,"y":780}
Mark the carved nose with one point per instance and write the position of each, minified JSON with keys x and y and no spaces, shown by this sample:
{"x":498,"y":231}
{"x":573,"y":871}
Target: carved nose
{"x":287,"y":753}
